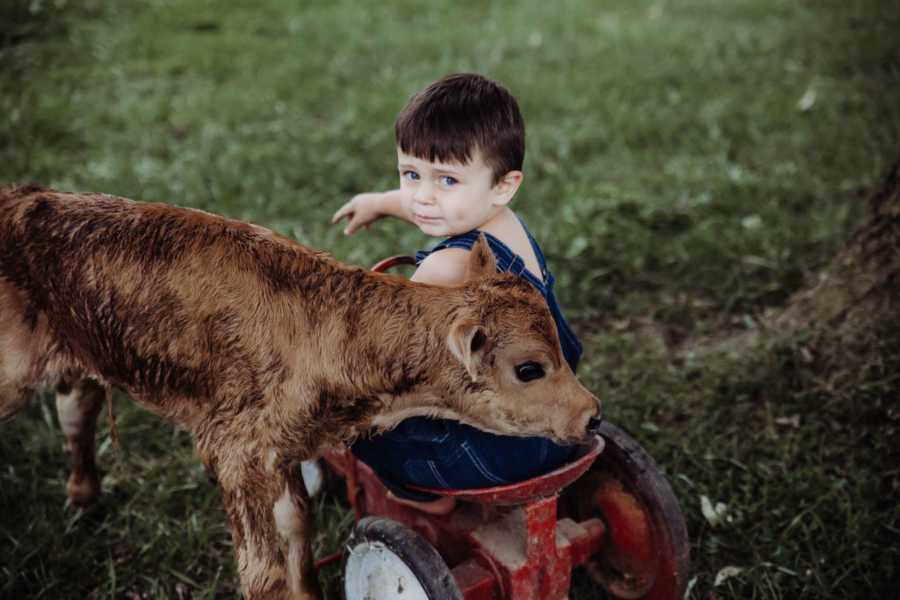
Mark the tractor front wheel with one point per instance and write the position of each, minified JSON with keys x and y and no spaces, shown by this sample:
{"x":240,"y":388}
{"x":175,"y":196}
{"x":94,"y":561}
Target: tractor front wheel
{"x":387,"y":560}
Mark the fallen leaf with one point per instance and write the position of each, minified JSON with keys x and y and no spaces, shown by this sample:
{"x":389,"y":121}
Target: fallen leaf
{"x":793,"y":421}
{"x":714,"y":514}
{"x":726,"y":573}
{"x":807,"y":100}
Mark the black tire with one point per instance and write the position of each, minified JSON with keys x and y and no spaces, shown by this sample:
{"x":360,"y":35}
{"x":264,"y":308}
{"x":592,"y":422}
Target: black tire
{"x":626,"y":466}
{"x":384,"y":535}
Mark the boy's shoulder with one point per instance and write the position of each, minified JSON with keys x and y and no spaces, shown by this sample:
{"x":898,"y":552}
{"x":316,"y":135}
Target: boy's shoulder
{"x":446,"y":267}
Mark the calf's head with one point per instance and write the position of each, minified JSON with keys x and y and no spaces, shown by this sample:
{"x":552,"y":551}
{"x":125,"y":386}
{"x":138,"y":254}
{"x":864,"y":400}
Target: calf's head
{"x":504,"y":369}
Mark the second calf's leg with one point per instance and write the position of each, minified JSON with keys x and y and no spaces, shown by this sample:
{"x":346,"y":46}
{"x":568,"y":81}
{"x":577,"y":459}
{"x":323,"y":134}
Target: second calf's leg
{"x":78,"y":403}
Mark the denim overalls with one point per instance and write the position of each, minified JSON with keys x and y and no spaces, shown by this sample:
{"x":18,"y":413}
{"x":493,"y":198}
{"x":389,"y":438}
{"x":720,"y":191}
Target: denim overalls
{"x":441,"y":453}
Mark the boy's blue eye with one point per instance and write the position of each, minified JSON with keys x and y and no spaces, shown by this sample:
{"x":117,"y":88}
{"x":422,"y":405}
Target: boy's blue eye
{"x":448,"y":181}
{"x":411,"y":175}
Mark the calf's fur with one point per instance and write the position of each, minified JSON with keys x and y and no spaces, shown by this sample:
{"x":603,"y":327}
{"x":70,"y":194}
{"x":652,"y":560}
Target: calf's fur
{"x":265,"y":350}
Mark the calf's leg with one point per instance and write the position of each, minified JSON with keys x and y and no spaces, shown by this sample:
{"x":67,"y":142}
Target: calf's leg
{"x":270,"y":515}
{"x":17,"y":340}
{"x":78,"y":402}
{"x":293,"y":519}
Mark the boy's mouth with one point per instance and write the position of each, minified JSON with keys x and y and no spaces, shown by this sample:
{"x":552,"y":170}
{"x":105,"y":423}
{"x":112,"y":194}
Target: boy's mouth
{"x":425,"y":219}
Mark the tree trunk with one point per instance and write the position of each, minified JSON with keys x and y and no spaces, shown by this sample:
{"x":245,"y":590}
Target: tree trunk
{"x":858,"y":295}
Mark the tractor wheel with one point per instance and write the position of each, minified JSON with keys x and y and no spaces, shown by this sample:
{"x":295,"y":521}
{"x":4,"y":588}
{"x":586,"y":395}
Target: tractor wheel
{"x":646,"y":551}
{"x":386,"y":560}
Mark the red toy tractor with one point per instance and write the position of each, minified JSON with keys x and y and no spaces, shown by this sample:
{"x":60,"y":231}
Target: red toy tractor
{"x":610,"y":511}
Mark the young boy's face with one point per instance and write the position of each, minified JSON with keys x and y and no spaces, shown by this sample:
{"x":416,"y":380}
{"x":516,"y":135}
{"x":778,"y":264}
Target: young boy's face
{"x":448,"y":199}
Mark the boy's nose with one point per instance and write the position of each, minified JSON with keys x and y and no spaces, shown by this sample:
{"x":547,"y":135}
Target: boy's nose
{"x":423,"y":193}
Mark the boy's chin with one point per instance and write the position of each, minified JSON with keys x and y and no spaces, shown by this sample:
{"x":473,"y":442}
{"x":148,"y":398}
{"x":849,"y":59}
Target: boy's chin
{"x":435,"y":229}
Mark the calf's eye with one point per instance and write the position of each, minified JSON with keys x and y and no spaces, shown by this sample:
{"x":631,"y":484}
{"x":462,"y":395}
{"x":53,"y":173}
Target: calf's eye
{"x":529,"y":371}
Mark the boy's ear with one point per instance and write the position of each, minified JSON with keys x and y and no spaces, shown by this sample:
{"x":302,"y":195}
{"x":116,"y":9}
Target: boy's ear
{"x":481,"y":260}
{"x":467,"y":340}
{"x":506,"y":188}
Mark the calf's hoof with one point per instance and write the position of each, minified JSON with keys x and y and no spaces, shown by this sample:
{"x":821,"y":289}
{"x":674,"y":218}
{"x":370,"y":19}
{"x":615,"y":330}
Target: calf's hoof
{"x":82,"y":492}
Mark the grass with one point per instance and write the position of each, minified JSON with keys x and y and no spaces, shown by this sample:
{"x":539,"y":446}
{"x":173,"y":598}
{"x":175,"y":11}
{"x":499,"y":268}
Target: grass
{"x":688,"y":165}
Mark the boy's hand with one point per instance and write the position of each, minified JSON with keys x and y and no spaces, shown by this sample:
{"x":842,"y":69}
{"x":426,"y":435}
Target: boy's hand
{"x":361,"y":211}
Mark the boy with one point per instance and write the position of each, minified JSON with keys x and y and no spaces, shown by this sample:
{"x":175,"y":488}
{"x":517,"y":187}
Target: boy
{"x":460,"y":147}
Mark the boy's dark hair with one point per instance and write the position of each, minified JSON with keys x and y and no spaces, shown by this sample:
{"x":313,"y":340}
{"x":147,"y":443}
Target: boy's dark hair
{"x":460,"y":114}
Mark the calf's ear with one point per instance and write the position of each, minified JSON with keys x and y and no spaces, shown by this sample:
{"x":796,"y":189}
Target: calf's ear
{"x":481,"y":260}
{"x":467,"y":341}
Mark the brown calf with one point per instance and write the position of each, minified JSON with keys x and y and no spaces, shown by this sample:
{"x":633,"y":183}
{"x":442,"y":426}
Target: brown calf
{"x":265,"y":350}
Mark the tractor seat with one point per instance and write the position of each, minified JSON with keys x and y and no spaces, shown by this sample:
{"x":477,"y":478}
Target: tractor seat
{"x":529,"y":490}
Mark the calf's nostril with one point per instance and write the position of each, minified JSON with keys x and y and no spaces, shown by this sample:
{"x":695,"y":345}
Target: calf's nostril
{"x":594,"y":423}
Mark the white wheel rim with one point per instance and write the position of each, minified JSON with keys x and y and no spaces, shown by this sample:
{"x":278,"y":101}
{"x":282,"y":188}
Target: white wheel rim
{"x":374,"y":572}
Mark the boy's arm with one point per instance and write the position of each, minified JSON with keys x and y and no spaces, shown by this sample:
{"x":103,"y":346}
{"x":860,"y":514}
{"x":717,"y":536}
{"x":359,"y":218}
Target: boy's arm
{"x":447,"y":267}
{"x":363,"y":209}
{"x":391,"y":205}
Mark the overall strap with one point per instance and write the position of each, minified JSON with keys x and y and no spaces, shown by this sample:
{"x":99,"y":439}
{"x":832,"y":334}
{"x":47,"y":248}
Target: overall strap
{"x":463,"y":240}
{"x":542,"y":262}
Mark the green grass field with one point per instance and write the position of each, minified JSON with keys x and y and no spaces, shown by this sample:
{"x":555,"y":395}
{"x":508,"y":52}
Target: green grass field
{"x":689,"y":164}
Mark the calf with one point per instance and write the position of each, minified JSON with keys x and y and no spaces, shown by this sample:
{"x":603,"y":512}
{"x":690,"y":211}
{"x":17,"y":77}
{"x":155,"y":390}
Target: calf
{"x":265,"y":350}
